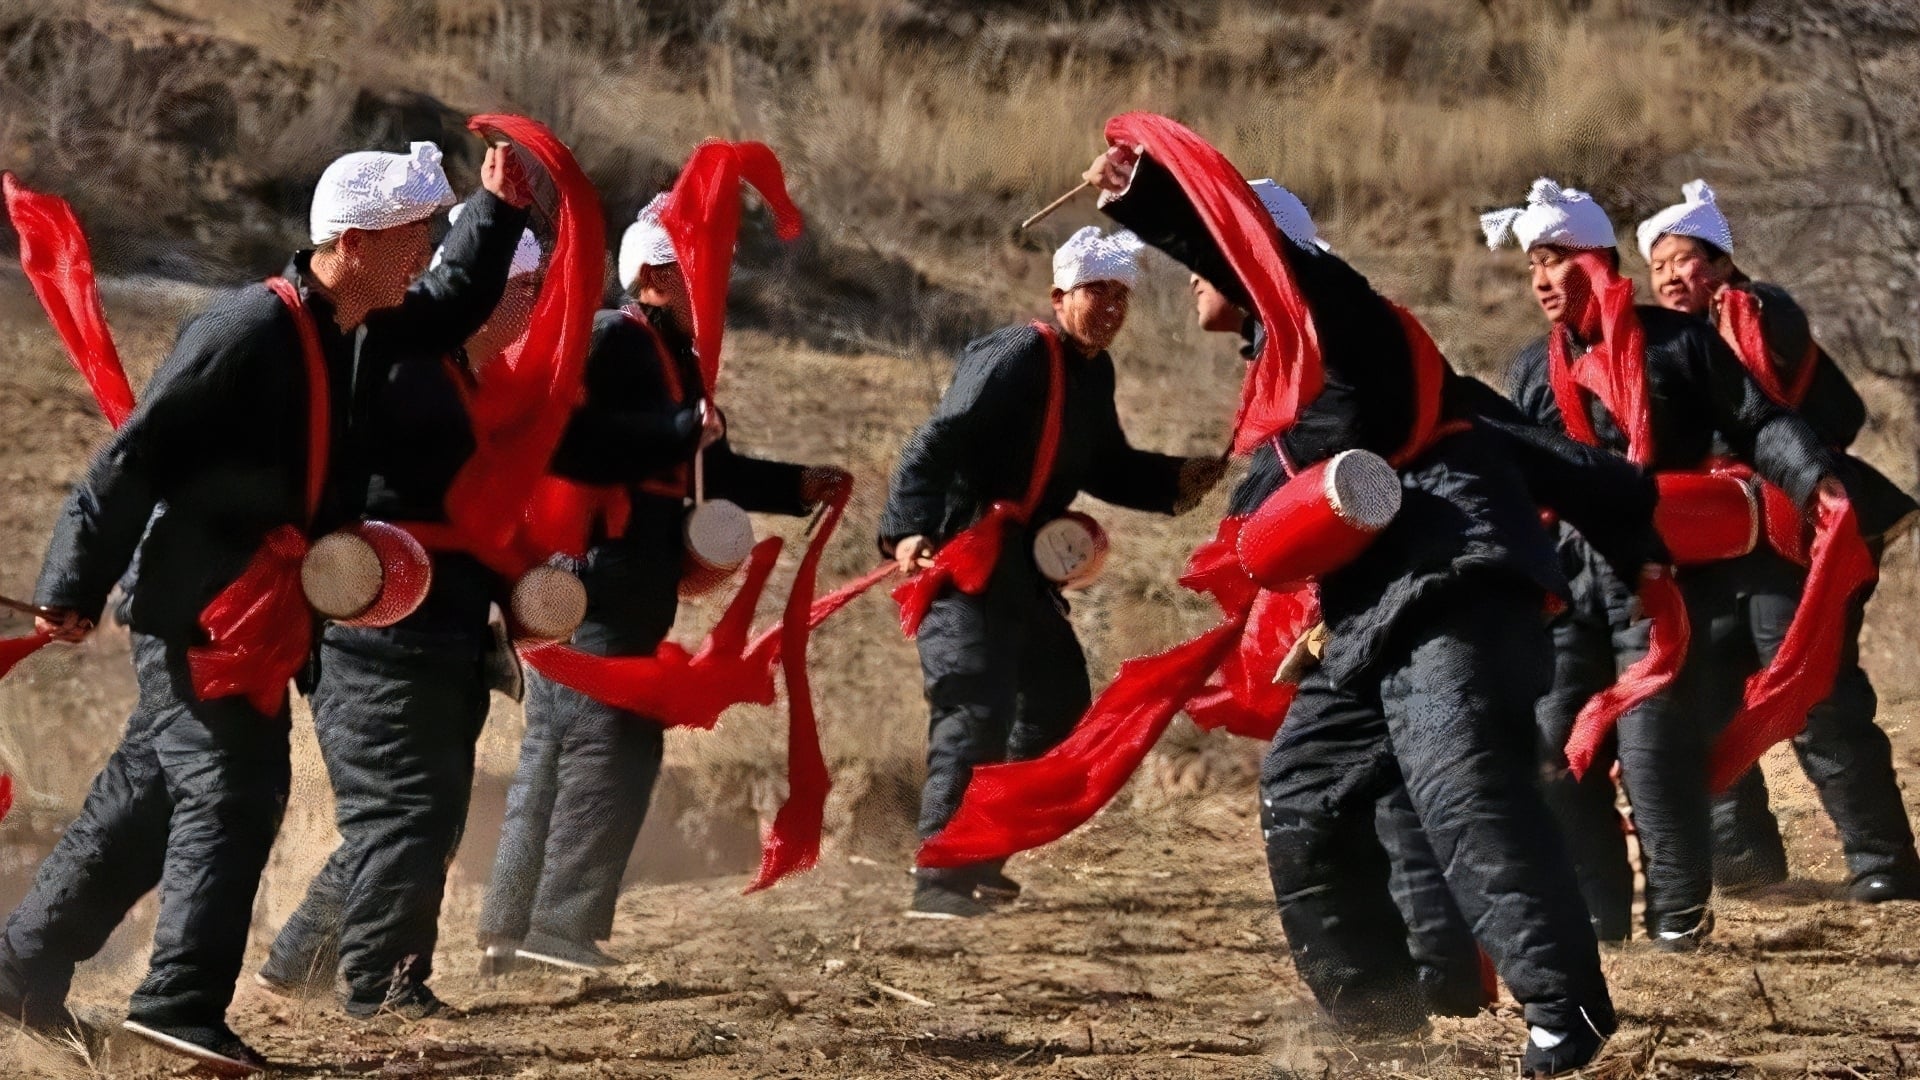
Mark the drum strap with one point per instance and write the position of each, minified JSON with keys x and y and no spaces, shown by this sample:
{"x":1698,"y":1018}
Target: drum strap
{"x":319,"y":417}
{"x":1048,"y":450}
{"x":674,"y":482}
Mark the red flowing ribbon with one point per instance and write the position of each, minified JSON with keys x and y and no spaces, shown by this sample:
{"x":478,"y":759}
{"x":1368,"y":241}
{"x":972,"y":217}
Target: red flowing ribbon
{"x":1288,"y":372}
{"x":702,"y":217}
{"x":259,"y":628}
{"x":672,"y":686}
{"x":6,"y":795}
{"x":1667,"y":639}
{"x":1742,"y":328}
{"x":966,"y":562}
{"x":793,"y":844}
{"x":1777,"y":700}
{"x":14,"y":650}
{"x":55,"y":258}
{"x":524,"y":397}
{"x":1018,"y":805}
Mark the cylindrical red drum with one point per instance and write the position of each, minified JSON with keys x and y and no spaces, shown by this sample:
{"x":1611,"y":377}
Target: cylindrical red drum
{"x":1706,"y":517}
{"x":719,"y":537}
{"x":1320,"y":520}
{"x":547,"y":604}
{"x":1070,"y":550}
{"x":367,"y":574}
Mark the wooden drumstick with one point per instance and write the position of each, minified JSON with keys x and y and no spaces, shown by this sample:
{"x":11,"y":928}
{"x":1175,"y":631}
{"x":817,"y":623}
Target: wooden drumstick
{"x":37,"y":610}
{"x":1055,"y":204}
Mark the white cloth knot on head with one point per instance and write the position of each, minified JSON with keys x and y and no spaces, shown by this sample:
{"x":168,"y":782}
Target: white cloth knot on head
{"x":1089,"y":256}
{"x":1555,"y":216}
{"x":526,"y":254}
{"x":645,"y":243}
{"x":372,"y":190}
{"x":1697,"y":215}
{"x":1289,"y":214}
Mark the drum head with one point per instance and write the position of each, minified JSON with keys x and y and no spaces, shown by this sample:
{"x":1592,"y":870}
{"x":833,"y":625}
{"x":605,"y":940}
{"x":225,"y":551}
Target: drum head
{"x":341,"y":575}
{"x":548,"y":604}
{"x":1070,"y":549}
{"x":719,"y":534}
{"x":1363,"y":489}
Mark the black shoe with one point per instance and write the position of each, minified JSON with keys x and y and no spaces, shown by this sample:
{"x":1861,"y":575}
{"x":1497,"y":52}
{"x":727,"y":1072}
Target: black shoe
{"x":555,"y":951}
{"x":498,"y":959}
{"x":1876,"y":888}
{"x":406,"y":1000}
{"x":995,"y":887}
{"x":1683,"y":932}
{"x":1571,"y":1050}
{"x":215,"y":1047}
{"x":933,"y":900}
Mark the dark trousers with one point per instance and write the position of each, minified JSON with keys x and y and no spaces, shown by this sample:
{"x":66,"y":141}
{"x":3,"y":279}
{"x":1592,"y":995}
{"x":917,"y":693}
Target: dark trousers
{"x":1662,"y":749}
{"x":1005,"y":680}
{"x":1842,"y":750}
{"x":577,"y":802}
{"x":189,"y":802}
{"x":1449,"y":717}
{"x":397,"y":716}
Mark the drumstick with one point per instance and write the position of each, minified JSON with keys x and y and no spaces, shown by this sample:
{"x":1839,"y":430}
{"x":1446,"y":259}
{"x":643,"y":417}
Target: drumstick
{"x":1055,"y":204}
{"x":24,"y":608}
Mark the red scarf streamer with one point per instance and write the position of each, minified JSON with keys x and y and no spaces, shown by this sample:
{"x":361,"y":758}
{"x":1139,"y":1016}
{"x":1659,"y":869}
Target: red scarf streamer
{"x":525,"y":396}
{"x":259,"y":628}
{"x":6,"y":795}
{"x":1288,"y":372}
{"x":966,"y":562}
{"x":702,"y":217}
{"x":1668,"y":632}
{"x":56,"y":261}
{"x":1778,"y":699}
{"x":1742,"y":328}
{"x":793,"y":844}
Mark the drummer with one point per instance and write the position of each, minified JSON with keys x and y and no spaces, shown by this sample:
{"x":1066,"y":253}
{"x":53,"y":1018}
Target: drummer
{"x":1004,"y":675}
{"x":398,"y":709}
{"x":587,"y":769}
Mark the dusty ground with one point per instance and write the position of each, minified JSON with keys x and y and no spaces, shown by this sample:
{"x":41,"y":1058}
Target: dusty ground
{"x":1148,"y":948}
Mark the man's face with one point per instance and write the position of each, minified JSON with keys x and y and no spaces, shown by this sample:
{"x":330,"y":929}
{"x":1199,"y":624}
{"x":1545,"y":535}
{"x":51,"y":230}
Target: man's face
{"x":1558,"y":285}
{"x":384,"y":262}
{"x":1093,"y":312}
{"x":1685,"y":278}
{"x":665,"y":287}
{"x":509,"y":320}
{"x":1211,"y":308}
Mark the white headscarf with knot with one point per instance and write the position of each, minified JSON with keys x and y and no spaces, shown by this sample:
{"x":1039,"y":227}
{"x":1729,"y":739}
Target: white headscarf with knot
{"x":1556,"y":216}
{"x":645,"y":243}
{"x":1698,"y":216}
{"x":372,"y":190}
{"x":1290,"y":214}
{"x":1089,"y":256}
{"x":526,"y":254}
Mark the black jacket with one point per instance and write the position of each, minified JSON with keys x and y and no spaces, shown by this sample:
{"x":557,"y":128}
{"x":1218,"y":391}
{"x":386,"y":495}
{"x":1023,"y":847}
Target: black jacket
{"x":1699,"y":393}
{"x":979,"y":446}
{"x":633,"y":432}
{"x":1466,"y":510}
{"x":1832,"y":407}
{"x":219,"y":440}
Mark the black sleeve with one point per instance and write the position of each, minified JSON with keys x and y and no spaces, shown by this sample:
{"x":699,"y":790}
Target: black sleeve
{"x":1780,"y":445}
{"x":1156,"y":208}
{"x":174,"y":430}
{"x":1607,"y":498}
{"x":628,"y":428}
{"x":995,"y":376}
{"x":764,"y":487}
{"x":1832,"y":407}
{"x":1125,"y":476}
{"x":1528,"y":389}
{"x":449,"y":302}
